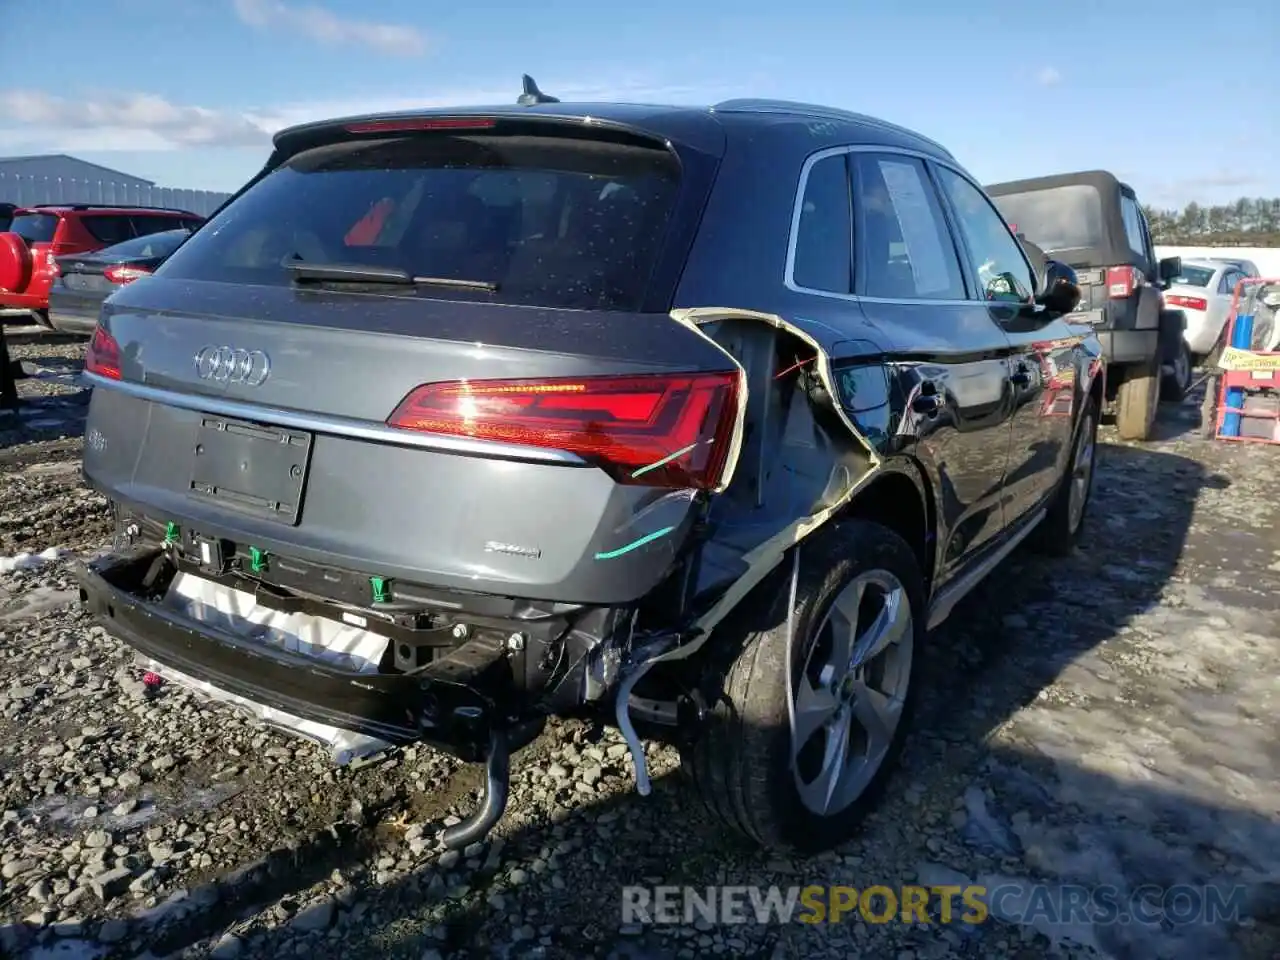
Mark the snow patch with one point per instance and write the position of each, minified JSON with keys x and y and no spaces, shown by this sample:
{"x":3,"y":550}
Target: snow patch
{"x":29,"y":561}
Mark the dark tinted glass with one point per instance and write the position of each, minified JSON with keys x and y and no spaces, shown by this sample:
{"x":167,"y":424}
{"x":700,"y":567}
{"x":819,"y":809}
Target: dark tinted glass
{"x":35,"y":227}
{"x":553,"y":221}
{"x":905,"y":249}
{"x":824,"y":252}
{"x":108,"y":228}
{"x":160,"y":244}
{"x":146,"y":223}
{"x":1060,"y":218}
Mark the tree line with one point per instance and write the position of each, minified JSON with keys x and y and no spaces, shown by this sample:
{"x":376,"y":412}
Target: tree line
{"x":1249,"y":222}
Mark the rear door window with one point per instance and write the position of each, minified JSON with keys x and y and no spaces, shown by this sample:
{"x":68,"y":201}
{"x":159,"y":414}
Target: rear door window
{"x":35,"y":227}
{"x":553,"y":221}
{"x":108,"y":228}
{"x":824,"y":234}
{"x":905,"y":250}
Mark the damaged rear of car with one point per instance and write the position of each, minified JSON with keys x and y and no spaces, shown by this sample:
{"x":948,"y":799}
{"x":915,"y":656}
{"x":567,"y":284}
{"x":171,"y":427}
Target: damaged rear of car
{"x":450,"y":422}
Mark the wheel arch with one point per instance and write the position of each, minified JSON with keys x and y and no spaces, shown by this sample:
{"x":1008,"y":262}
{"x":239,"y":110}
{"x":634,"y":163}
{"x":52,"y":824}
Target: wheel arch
{"x":899,"y":498}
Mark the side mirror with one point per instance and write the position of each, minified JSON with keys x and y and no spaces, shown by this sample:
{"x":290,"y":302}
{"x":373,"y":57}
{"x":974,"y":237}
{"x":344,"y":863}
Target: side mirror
{"x":1170,"y":268}
{"x":1060,"y":293}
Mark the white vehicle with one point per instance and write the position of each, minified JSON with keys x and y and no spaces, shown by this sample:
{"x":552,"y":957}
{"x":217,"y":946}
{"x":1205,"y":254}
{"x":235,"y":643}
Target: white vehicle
{"x":1203,"y":291}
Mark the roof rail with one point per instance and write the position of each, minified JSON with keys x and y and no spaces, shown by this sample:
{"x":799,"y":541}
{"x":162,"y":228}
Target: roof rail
{"x":751,"y":105}
{"x":109,"y":206}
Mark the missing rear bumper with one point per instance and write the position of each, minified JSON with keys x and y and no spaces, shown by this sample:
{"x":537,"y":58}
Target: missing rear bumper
{"x":452,"y":703}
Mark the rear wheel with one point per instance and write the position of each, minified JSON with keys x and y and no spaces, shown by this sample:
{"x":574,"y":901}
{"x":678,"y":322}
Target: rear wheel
{"x":1136,"y":401}
{"x":859,"y":625}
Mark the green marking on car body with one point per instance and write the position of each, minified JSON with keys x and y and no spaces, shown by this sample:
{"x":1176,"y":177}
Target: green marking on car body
{"x":634,"y":544}
{"x":381,"y":593}
{"x":664,"y":461}
{"x":170,"y":533}
{"x":257,"y":559}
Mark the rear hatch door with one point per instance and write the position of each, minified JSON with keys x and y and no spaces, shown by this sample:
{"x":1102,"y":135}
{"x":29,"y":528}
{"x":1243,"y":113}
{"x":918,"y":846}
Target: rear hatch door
{"x":443,"y":358}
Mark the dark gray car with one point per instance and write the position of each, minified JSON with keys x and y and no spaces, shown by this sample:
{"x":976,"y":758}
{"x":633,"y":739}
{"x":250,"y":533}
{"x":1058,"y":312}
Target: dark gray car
{"x":84,"y":280}
{"x":696,"y":418}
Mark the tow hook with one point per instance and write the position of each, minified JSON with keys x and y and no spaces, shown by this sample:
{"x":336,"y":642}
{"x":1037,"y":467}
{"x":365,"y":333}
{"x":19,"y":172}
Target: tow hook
{"x":497,"y":786}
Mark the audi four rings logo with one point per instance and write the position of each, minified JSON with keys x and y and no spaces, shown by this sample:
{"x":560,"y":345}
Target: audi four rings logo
{"x":232,"y":365}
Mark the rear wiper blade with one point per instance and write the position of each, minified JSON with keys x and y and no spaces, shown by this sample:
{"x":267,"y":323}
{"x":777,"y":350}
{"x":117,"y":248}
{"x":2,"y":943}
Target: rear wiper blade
{"x":346,"y":273}
{"x":488,"y":285}
{"x":304,"y":272}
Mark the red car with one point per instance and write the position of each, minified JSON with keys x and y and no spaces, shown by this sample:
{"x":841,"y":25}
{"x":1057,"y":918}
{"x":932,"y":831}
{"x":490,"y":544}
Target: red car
{"x":39,"y":234}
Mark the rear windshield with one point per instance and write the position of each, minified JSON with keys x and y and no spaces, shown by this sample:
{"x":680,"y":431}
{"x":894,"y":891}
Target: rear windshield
{"x":1060,"y":218}
{"x":35,"y":227}
{"x":153,"y":245}
{"x":552,"y":221}
{"x":1194,"y":276}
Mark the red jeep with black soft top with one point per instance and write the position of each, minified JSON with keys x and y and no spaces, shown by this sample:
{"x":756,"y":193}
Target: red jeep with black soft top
{"x":39,"y":234}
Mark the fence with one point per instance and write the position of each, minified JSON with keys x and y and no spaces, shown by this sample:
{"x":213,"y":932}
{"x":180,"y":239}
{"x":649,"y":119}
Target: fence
{"x":27,"y":190}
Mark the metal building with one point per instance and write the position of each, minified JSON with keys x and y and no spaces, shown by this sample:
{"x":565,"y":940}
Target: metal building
{"x":59,"y":178}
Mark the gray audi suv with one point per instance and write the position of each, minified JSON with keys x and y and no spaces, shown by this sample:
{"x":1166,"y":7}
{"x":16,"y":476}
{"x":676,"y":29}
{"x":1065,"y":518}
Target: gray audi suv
{"x":695,"y":418}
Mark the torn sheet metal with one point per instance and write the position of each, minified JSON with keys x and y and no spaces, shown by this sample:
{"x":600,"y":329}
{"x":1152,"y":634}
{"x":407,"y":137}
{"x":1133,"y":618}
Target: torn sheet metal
{"x":693,"y":317}
{"x":762,"y":559}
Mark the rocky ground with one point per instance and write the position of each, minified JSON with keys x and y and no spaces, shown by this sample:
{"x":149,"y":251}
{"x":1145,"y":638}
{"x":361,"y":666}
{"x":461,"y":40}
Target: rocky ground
{"x":1104,"y":720}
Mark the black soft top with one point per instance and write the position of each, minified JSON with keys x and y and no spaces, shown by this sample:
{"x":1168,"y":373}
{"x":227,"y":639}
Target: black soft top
{"x":1112,"y":249}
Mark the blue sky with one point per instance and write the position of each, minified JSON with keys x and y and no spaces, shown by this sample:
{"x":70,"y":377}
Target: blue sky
{"x":187,"y":92}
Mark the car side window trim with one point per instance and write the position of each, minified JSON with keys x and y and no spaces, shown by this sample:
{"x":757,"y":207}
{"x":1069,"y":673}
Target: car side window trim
{"x":788,"y":278}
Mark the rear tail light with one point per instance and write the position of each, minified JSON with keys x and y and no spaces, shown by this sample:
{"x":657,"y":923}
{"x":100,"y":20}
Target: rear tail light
{"x":664,"y":431}
{"x":1122,"y":281}
{"x":122,"y":274}
{"x":1192,"y":303}
{"x":103,"y":355}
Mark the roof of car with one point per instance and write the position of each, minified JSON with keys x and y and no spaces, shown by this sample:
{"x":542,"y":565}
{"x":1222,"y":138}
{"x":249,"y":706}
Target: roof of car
{"x":1102,"y":179}
{"x":697,"y":126}
{"x":1206,"y":263}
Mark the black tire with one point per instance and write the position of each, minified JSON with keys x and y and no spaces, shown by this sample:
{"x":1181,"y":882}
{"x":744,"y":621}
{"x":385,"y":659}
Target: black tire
{"x":1137,"y":398}
{"x":1059,"y":532}
{"x":1174,"y":385}
{"x":741,"y":762}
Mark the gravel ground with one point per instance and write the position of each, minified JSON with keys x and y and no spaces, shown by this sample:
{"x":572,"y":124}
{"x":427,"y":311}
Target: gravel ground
{"x":1107,"y":719}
